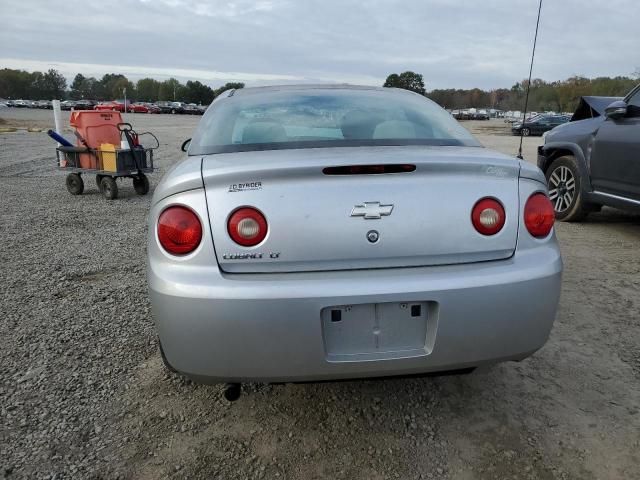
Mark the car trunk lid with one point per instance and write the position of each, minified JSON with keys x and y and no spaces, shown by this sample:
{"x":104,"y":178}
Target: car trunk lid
{"x":341,"y":221}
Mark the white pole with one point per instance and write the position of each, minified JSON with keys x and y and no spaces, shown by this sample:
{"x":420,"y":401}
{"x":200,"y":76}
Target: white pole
{"x":57,"y":118}
{"x":124,"y":91}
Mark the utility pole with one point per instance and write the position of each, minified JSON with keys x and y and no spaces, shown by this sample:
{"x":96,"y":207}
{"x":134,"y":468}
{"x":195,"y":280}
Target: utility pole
{"x":124,"y":92}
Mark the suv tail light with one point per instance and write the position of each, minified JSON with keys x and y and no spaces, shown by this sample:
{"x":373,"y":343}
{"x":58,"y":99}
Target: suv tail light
{"x":488,"y":216}
{"x":539,"y":215}
{"x":247,"y":226}
{"x":179,"y":230}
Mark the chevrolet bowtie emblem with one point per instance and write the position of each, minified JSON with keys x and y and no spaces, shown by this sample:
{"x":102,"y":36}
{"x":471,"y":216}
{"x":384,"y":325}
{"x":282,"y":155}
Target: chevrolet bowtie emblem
{"x":371,"y":210}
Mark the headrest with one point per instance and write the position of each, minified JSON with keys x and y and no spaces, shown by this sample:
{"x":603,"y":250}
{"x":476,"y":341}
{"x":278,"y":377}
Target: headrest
{"x":394,"y":129}
{"x":264,"y":132}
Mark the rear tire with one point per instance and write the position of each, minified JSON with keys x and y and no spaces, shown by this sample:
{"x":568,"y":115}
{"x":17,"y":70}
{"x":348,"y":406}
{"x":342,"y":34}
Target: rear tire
{"x":565,"y":190}
{"x":141,"y":184}
{"x":75,"y":185}
{"x":99,"y":180}
{"x":109,"y":188}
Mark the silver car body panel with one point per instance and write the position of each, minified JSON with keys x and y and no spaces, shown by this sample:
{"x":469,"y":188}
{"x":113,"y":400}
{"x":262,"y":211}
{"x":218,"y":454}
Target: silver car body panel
{"x":216,"y":326}
{"x":309,"y":214}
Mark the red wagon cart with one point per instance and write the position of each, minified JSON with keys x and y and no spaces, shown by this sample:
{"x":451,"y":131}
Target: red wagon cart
{"x":108,"y":149}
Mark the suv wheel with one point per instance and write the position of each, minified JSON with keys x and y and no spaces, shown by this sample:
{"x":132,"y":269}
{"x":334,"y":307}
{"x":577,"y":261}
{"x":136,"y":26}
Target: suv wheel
{"x":526,"y":132}
{"x":565,"y":193}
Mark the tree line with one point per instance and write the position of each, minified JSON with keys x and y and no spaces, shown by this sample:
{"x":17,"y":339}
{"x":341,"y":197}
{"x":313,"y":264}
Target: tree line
{"x":559,"y":96}
{"x":19,"y":84}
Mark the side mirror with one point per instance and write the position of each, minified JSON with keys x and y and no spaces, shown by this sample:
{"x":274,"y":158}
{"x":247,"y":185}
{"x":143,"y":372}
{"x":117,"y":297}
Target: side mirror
{"x":185,"y":145}
{"x":617,"y":109}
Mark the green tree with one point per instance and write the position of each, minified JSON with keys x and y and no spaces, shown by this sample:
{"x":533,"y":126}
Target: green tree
{"x":197,"y":92}
{"x":147,"y":89}
{"x":37,"y":87}
{"x":78,"y":87}
{"x":171,"y":90}
{"x":122,"y":87}
{"x":111,"y":85}
{"x":53,"y":85}
{"x":407,"y":80}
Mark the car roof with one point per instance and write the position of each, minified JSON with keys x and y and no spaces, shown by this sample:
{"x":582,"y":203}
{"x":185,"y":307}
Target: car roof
{"x":308,"y":87}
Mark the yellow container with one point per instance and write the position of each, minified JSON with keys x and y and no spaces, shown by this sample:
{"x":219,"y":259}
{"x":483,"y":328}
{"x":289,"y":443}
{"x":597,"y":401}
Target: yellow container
{"x":109,"y":157}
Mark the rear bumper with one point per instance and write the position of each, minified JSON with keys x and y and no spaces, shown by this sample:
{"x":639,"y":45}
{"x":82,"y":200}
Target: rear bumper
{"x":216,"y":327}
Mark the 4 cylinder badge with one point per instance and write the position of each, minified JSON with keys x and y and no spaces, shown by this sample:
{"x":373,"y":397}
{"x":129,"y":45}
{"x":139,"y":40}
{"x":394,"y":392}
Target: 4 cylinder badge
{"x":373,"y":236}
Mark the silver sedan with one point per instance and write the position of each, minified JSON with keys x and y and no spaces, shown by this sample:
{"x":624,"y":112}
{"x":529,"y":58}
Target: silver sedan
{"x":330,"y":232}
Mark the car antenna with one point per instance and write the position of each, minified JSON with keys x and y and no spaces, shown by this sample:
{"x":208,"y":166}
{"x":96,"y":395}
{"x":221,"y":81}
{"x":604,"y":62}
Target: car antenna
{"x":526,"y":100}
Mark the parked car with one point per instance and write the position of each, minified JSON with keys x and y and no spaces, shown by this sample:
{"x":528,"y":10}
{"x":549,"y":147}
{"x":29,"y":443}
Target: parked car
{"x":4,"y":105}
{"x":594,"y":160}
{"x":316,"y":233}
{"x":165,"y":107}
{"x":138,"y":108}
{"x":171,"y":107}
{"x":538,"y":124}
{"x":481,"y":115}
{"x":513,"y":117}
{"x":203,"y":109}
{"x":84,"y":105}
{"x":45,"y":104}
{"x":152,"y":108}
{"x":178,"y":107}
{"x":67,"y":105}
{"x":192,"y":109}
{"x":20,"y":104}
{"x":113,"y":106}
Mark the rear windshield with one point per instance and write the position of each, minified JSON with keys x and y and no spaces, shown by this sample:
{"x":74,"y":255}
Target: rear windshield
{"x":287,"y":119}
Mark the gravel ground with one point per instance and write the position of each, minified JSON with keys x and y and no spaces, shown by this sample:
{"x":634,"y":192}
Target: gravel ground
{"x":83,"y":393}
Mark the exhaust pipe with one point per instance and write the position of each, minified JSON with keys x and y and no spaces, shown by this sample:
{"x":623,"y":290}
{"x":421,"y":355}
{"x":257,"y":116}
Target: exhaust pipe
{"x":232,"y":391}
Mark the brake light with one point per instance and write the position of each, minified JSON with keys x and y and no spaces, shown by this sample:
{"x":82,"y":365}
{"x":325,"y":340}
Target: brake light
{"x":539,"y":215}
{"x":179,"y":230}
{"x":488,"y":216}
{"x":247,"y":226}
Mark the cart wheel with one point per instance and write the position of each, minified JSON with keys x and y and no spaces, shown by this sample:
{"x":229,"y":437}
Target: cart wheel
{"x":75,"y":185}
{"x":99,"y":180}
{"x":141,"y":184}
{"x":109,"y":188}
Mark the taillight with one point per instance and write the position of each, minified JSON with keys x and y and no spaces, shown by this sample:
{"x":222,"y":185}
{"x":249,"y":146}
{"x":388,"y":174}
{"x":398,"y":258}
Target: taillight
{"x":179,"y":230}
{"x":488,"y":216}
{"x":247,"y":226}
{"x":539,"y":215}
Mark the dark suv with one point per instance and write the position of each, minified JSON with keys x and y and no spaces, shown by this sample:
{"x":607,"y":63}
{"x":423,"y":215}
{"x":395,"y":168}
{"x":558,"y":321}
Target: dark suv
{"x":594,"y":160}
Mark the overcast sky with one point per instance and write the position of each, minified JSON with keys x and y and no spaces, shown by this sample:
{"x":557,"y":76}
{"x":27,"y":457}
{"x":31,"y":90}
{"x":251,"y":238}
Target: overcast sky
{"x":453,"y":43}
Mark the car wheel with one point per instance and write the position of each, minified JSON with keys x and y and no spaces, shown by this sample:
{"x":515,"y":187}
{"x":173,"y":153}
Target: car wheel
{"x":109,"y":188}
{"x":526,"y":132}
{"x":565,"y":193}
{"x":141,"y":184}
{"x":75,"y":185}
{"x":99,"y":180}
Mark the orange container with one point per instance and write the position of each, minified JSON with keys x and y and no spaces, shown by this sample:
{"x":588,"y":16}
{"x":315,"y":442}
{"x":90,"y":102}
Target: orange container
{"x":96,"y":128}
